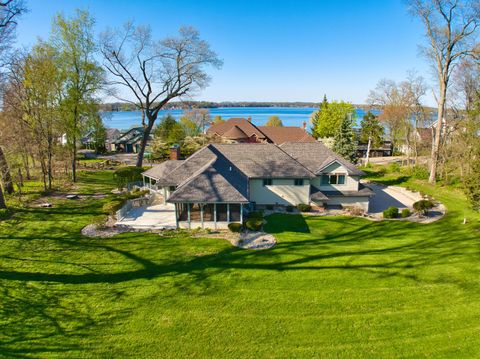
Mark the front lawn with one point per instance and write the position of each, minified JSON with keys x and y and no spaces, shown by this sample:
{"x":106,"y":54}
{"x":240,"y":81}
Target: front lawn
{"x":332,"y":287}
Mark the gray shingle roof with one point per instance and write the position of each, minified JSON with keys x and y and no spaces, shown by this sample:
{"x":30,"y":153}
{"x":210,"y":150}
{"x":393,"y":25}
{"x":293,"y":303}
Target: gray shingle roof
{"x":315,"y":156}
{"x":263,"y":160}
{"x":218,"y":181}
{"x":161,"y":171}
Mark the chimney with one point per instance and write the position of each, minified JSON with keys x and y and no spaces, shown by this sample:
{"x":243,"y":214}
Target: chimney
{"x":249,"y":119}
{"x":175,"y":152}
{"x":304,"y":125}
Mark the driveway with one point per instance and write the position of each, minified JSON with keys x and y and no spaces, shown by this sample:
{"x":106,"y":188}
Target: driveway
{"x":390,"y":196}
{"x":160,"y":216}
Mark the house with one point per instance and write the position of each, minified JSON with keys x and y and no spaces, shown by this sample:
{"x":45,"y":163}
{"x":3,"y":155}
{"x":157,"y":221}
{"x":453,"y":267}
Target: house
{"x":88,"y":141}
{"x":112,"y":135}
{"x":383,"y":150}
{"x":240,"y":130}
{"x":129,"y":142}
{"x":221,"y":182}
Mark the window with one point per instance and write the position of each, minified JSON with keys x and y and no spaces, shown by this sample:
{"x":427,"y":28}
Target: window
{"x":332,"y":179}
{"x":298,"y":182}
{"x":267,"y":182}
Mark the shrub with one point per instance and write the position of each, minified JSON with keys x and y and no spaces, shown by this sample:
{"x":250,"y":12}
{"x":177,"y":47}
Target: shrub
{"x":405,"y":213}
{"x":4,"y":213}
{"x":254,"y":224}
{"x":113,"y":206}
{"x":355,"y":210}
{"x":125,"y":175}
{"x":393,"y":167}
{"x":420,"y":172}
{"x":235,"y":227}
{"x":255,"y":214}
{"x":390,"y":212}
{"x":302,"y":207}
{"x":422,"y":206}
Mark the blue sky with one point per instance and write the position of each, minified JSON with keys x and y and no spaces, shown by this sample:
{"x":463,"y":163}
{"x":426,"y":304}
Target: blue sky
{"x":280,"y":50}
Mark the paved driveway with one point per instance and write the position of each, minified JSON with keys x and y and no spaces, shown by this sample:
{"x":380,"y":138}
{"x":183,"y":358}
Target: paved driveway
{"x":160,"y":216}
{"x":390,"y":196}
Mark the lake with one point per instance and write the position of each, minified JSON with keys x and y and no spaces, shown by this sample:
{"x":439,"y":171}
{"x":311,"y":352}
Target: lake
{"x":290,"y":116}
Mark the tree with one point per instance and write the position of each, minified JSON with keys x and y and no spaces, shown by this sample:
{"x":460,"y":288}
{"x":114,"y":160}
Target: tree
{"x":218,"y":119}
{"x":10,"y":10}
{"x":371,"y":131}
{"x":198,"y":117}
{"x":451,"y":28}
{"x":42,"y":85}
{"x":344,"y":141}
{"x":98,"y":132}
{"x":5,"y":175}
{"x":73,"y":40}
{"x":274,"y":121}
{"x":156,"y":71}
{"x":330,"y":117}
{"x":315,"y":118}
{"x":190,"y":128}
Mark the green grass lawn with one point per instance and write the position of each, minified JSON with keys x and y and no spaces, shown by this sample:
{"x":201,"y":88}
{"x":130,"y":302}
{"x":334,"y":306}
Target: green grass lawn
{"x":332,"y":287}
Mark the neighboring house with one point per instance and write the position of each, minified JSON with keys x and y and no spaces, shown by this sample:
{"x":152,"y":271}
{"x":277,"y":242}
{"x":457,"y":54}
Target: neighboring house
{"x":111,"y":135}
{"x":220,"y":182}
{"x":384,"y":150}
{"x":129,"y":142}
{"x":240,"y":130}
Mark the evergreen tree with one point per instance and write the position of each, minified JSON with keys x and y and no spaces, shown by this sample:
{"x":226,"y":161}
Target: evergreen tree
{"x":344,"y":141}
{"x":316,"y":117}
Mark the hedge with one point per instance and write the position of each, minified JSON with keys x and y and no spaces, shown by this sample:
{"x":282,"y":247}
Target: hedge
{"x":254,"y":224}
{"x":235,"y":227}
{"x":422,"y":206}
{"x":390,"y":212}
{"x":128,"y":174}
{"x":302,"y":207}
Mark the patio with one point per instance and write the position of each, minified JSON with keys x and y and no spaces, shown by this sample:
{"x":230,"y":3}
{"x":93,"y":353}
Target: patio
{"x":160,"y":216}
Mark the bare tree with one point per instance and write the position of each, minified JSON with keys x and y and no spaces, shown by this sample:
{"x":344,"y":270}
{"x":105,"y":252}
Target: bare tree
{"x":451,"y":29}
{"x":155,"y":71}
{"x":10,"y":10}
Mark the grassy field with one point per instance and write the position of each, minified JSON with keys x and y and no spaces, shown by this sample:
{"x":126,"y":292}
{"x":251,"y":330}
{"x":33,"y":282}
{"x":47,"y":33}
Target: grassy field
{"x":332,"y":287}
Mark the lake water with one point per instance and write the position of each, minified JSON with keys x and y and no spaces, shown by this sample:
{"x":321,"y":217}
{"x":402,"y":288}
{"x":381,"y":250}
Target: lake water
{"x":290,"y":116}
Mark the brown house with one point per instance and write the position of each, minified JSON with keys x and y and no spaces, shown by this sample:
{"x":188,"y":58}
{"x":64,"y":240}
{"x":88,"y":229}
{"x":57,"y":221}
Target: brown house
{"x":240,"y":130}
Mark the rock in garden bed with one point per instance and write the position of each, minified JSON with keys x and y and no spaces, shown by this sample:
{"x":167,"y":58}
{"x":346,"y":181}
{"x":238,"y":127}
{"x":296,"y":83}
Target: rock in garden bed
{"x":255,"y":240}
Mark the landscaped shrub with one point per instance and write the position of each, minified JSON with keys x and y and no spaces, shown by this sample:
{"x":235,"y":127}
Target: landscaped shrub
{"x":405,"y":213}
{"x":423,"y":206}
{"x":417,"y":172}
{"x":302,"y":207}
{"x":4,"y":213}
{"x":113,"y":206}
{"x":354,"y":210}
{"x":125,"y":175}
{"x":235,"y":227}
{"x":390,"y":212}
{"x":255,"y":214}
{"x":254,"y":224}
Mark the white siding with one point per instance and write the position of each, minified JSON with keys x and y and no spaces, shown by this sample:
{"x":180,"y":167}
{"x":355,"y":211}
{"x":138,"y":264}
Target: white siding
{"x":282,"y":191}
{"x":351,"y":183}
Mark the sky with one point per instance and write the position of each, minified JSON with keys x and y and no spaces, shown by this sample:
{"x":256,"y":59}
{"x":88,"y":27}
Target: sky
{"x":281,"y":50}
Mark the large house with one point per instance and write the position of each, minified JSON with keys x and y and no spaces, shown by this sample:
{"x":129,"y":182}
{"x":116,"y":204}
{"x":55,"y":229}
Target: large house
{"x":221,"y":182}
{"x":240,"y":130}
{"x":129,"y":142}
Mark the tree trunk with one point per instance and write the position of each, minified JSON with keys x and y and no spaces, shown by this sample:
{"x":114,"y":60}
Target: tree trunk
{"x":438,"y":133}
{"x":74,"y":144}
{"x":367,"y":157}
{"x":5,"y":172}
{"x":145,"y":137}
{"x":49,"y":164}
{"x":2,"y":199}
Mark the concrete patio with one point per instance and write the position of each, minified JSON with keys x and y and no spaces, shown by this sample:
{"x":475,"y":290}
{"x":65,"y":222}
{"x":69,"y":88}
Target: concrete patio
{"x":160,"y":216}
{"x":390,"y":196}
